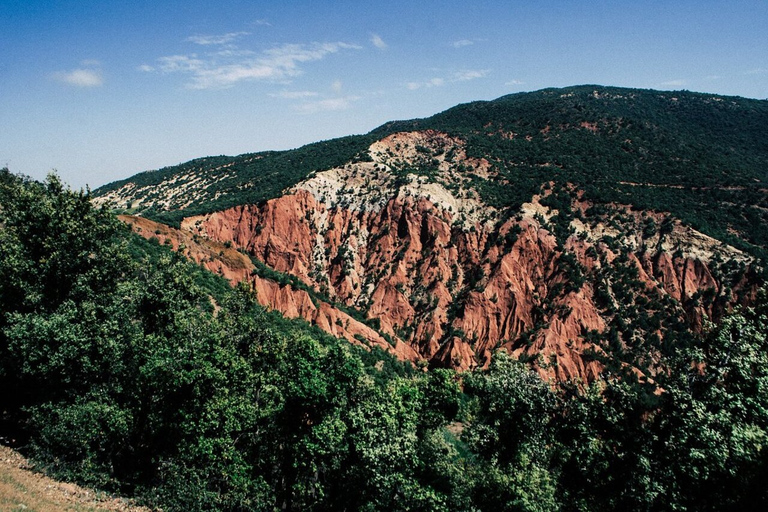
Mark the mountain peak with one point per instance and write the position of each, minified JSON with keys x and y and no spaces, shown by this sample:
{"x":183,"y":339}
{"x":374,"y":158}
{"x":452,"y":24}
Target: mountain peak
{"x":577,"y":228}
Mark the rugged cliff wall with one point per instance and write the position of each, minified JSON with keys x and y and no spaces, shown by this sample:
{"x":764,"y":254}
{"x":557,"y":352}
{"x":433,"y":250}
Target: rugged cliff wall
{"x":448,"y":279}
{"x":236,"y":267}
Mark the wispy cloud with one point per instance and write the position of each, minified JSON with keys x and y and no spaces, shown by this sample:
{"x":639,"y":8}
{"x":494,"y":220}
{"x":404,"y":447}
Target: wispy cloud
{"x":180,"y":63}
{"x":261,"y":23}
{"x":294,"y":95}
{"x":674,"y":83}
{"x":462,"y":42}
{"x":226,"y":67}
{"x":757,"y":71}
{"x":82,"y":77}
{"x":460,"y":76}
{"x":434,"y":82}
{"x":310,"y":102}
{"x":326,"y":105}
{"x":514,"y":82}
{"x":217,"y":39}
{"x":378,"y":42}
{"x":470,"y":74}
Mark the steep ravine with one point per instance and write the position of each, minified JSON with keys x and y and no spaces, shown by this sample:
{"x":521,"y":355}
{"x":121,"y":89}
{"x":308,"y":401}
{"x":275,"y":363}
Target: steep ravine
{"x":236,"y":267}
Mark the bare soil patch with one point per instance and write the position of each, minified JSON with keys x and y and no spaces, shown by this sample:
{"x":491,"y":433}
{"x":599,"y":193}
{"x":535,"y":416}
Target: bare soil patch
{"x":22,"y":489}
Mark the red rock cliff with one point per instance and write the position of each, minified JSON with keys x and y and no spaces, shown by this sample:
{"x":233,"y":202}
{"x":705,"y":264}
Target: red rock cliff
{"x":449,"y":279}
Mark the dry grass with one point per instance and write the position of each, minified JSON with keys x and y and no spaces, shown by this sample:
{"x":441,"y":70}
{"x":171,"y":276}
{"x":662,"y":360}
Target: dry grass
{"x":24,"y":490}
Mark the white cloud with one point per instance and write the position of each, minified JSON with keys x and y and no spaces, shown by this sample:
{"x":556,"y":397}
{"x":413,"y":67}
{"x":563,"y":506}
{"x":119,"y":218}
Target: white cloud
{"x":225,"y":68}
{"x":471,"y":74}
{"x":285,"y":58}
{"x":262,"y":23}
{"x":294,"y":95}
{"x":378,"y":42}
{"x":80,"y":77}
{"x":180,"y":63}
{"x":311,"y":102}
{"x":757,"y":71}
{"x":146,"y":68}
{"x":217,"y":39}
{"x":514,"y":82}
{"x":461,"y":43}
{"x":461,"y":76}
{"x":231,"y":52}
{"x":674,"y":83}
{"x":432,"y":82}
{"x":327,"y":105}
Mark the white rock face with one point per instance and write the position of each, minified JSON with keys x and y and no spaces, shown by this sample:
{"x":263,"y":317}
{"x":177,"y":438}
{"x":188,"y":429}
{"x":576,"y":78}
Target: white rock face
{"x":368,"y":186}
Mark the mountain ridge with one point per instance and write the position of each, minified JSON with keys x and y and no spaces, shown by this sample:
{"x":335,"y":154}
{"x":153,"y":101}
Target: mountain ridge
{"x":637,"y":299}
{"x":552,"y":153}
{"x":489,"y":233}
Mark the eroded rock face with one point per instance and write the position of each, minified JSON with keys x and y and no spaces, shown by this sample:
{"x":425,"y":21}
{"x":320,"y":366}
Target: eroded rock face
{"x":449,"y":280}
{"x":236,"y":267}
{"x":454,"y":295}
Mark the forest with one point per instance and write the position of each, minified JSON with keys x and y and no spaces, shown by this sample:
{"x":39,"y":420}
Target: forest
{"x":126,"y":368}
{"x":701,"y":157}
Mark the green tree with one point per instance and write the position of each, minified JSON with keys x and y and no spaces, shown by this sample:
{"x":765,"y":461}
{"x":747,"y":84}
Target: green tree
{"x":714,"y":419}
{"x":511,"y":433}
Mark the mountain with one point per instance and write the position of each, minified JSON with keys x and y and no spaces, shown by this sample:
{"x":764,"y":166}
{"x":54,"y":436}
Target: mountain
{"x":128,"y":368}
{"x":586,"y":229}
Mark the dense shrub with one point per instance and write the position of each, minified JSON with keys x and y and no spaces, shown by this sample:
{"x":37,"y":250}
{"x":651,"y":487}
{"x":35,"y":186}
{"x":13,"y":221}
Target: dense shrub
{"x":116,"y":371}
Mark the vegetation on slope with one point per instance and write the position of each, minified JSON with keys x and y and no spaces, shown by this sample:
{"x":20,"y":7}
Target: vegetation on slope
{"x":217,"y":183}
{"x":701,"y":157}
{"x":117,"y":371}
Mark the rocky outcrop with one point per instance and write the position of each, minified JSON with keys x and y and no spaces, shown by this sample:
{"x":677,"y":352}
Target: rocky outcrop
{"x":453,"y":294}
{"x":442,"y":277}
{"x":236,"y":267}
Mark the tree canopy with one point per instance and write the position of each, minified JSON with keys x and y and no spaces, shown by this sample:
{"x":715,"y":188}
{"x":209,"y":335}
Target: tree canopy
{"x":125,"y":367}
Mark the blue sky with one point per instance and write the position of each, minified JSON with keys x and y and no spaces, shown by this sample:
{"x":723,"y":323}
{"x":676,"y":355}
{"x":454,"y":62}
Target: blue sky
{"x":100,"y":90}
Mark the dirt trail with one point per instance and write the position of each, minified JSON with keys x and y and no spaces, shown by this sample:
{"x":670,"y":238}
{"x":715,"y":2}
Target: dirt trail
{"x":21,"y":489}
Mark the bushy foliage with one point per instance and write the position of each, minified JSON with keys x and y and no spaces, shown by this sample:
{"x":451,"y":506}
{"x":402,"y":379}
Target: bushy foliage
{"x":118,"y":372}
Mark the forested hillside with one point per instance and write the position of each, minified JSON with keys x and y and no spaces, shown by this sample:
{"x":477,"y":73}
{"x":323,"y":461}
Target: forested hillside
{"x":126,"y":367}
{"x":701,"y":157}
{"x":581,"y":229}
